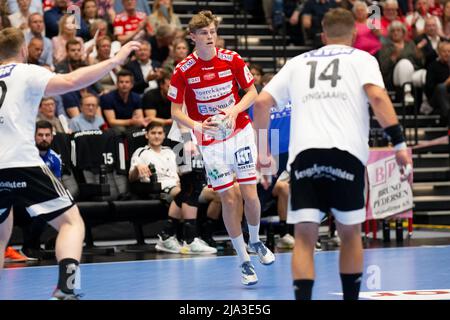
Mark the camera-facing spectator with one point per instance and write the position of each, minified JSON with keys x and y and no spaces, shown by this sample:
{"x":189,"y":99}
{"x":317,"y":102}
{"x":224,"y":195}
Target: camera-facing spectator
{"x":90,"y":117}
{"x":53,"y":16}
{"x":155,"y":103}
{"x":145,"y":70}
{"x":179,"y":51}
{"x":36,"y":24}
{"x":161,"y":42}
{"x":47,"y":112}
{"x":429,"y":41}
{"x":122,"y":107}
{"x":67,"y":31}
{"x":367,"y":39}
{"x":416,"y":19}
{"x":19,"y":19}
{"x":103,"y":52}
{"x":35,"y":49}
{"x":130,"y":24}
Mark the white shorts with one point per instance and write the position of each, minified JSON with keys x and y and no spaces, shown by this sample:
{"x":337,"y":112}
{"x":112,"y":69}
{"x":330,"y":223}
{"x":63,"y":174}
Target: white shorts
{"x":233,"y":157}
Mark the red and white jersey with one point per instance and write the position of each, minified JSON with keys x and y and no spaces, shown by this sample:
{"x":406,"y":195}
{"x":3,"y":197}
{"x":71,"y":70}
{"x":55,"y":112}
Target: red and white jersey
{"x":124,"y":24}
{"x":206,"y":87}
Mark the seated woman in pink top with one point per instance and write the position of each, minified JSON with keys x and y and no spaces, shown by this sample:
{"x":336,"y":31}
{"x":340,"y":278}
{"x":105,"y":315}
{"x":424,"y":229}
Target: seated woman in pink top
{"x":67,"y":31}
{"x":367,"y":36}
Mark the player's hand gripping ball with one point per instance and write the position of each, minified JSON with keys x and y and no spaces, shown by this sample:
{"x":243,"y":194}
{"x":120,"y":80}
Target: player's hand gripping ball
{"x":225,"y":127}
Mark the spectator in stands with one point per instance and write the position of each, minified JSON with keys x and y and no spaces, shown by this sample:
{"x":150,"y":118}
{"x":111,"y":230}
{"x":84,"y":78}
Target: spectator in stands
{"x":67,"y":31}
{"x":312,"y":16}
{"x":155,"y":103}
{"x":47,"y":113}
{"x":287,"y":9}
{"x":179,"y":51}
{"x":437,"y":84}
{"x":367,"y":37}
{"x":257,"y":72}
{"x":399,"y":58}
{"x":35,"y":6}
{"x":35,"y":48}
{"x":161,"y":41}
{"x":19,"y":19}
{"x":99,"y":29}
{"x":122,"y":107}
{"x":4,"y":20}
{"x":446,"y":20}
{"x":90,"y":117}
{"x":145,"y":70}
{"x":164,"y":161}
{"x":89,"y":11}
{"x":163,"y":14}
{"x":390,"y":13}
{"x":53,"y":16}
{"x":416,"y":19}
{"x":103,"y":52}
{"x":428,"y":42}
{"x":106,"y":10}
{"x":36,"y":24}
{"x":73,"y":59}
{"x":141,"y":5}
{"x":131,"y":24}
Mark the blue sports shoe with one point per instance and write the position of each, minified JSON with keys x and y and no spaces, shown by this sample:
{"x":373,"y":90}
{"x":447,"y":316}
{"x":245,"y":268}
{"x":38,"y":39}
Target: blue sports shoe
{"x":248,"y":274}
{"x":266,"y":256}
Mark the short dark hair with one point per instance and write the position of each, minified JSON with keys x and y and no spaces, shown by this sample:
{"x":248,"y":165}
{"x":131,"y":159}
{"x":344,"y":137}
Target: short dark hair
{"x":43,"y":124}
{"x":338,"y":23}
{"x":72,"y":42}
{"x":164,"y":76}
{"x":153,"y":124}
{"x":125,"y":73}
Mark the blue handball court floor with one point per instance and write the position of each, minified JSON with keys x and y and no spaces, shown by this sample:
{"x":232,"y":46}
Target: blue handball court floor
{"x":404,"y":273}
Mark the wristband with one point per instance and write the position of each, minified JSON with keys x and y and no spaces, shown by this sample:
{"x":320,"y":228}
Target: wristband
{"x":400,"y":146}
{"x":395,"y":132}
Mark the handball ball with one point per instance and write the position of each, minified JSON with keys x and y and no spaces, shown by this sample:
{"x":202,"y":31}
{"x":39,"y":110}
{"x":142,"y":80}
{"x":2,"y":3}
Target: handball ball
{"x":225,"y":127}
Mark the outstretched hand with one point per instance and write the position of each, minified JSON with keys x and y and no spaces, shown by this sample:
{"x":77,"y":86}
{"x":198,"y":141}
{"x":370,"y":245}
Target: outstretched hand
{"x":125,"y":51}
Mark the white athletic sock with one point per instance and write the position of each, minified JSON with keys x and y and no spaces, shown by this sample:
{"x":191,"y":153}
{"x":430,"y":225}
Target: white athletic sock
{"x":241,"y":250}
{"x":254,"y":233}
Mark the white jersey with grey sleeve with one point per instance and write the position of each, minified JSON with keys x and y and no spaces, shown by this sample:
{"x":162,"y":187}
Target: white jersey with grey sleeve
{"x":329,"y":105}
{"x":21,"y":89}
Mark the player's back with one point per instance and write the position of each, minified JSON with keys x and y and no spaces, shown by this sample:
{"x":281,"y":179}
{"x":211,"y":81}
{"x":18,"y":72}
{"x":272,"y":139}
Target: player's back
{"x":22,"y":87}
{"x":330,"y":106}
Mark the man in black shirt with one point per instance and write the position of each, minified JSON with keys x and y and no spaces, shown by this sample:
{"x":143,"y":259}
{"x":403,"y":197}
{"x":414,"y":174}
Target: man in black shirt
{"x":437,"y":84}
{"x":155,"y":103}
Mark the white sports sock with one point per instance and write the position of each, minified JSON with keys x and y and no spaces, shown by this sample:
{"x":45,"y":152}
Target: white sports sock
{"x":240,"y":247}
{"x":254,"y":233}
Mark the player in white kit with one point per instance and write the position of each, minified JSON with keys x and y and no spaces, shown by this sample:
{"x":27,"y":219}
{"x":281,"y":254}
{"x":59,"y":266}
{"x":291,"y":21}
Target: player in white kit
{"x":24,"y":180}
{"x":330,"y":89}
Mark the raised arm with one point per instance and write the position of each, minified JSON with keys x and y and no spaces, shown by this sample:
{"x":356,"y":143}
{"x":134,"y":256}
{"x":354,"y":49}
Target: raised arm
{"x":83,"y":77}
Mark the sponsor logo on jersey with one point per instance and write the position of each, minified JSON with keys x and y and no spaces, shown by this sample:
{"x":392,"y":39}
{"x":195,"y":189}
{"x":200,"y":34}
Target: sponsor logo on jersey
{"x":173,"y":92}
{"x":193,"y":80}
{"x":207,"y":68}
{"x":6,"y":71}
{"x":213,"y":92}
{"x":209,"y":76}
{"x":226,"y":73}
{"x":12,"y":185}
{"x":224,"y":56}
{"x":243,"y":156}
{"x":210,"y":108}
{"x":88,"y":133}
{"x":248,"y":74}
{"x":187,"y":65}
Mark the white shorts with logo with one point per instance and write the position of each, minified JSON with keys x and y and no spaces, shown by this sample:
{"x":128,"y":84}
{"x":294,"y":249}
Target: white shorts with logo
{"x":235,"y":157}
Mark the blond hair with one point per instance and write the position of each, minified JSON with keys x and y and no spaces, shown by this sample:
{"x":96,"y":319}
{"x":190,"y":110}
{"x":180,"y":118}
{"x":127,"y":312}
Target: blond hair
{"x":338,"y":23}
{"x":202,"y":19}
{"x":11,"y":40}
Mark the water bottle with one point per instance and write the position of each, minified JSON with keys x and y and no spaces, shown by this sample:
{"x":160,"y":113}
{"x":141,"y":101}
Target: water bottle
{"x":102,"y":176}
{"x":153,"y":176}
